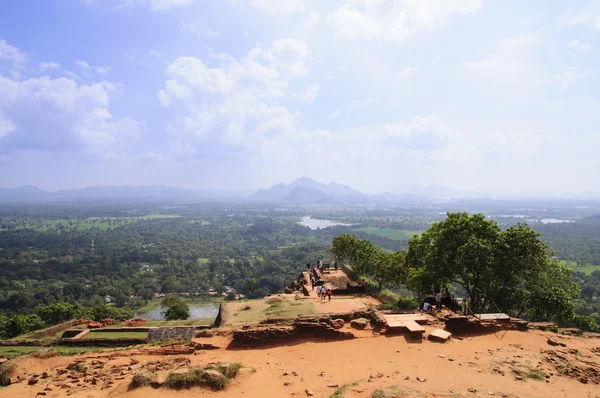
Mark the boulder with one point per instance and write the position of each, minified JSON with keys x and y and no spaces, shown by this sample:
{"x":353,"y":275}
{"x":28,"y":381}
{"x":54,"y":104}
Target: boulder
{"x":337,"y":323}
{"x":359,"y":323}
{"x":553,"y":342}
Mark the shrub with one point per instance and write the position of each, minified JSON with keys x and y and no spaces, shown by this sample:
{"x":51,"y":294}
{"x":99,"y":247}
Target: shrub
{"x":407,"y":303}
{"x":212,"y":377}
{"x":44,"y":354}
{"x":141,"y":380}
{"x":6,"y":370}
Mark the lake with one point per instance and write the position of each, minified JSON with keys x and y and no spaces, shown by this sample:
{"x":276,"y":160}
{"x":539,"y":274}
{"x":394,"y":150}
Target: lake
{"x":315,"y":223}
{"x":197,"y":311}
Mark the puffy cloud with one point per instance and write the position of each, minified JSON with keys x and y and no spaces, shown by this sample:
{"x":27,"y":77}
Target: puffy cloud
{"x":510,"y":66}
{"x":395,"y":19}
{"x":88,"y":70}
{"x":279,"y":7}
{"x":60,"y":114}
{"x":236,"y":101}
{"x":579,"y":46}
{"x":313,"y":20}
{"x":310,"y":95}
{"x":11,"y":54}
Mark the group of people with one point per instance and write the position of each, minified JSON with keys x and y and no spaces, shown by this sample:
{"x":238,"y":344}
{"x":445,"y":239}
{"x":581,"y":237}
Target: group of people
{"x":427,"y":307}
{"x":324,"y":292}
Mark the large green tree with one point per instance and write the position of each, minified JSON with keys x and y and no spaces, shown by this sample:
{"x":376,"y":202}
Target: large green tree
{"x":509,"y":270}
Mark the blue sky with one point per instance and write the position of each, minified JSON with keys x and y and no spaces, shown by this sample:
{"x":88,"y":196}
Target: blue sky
{"x":383,"y":95}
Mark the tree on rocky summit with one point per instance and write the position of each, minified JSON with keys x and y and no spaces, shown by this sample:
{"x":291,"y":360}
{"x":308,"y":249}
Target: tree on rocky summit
{"x":369,"y":260}
{"x":509,"y":270}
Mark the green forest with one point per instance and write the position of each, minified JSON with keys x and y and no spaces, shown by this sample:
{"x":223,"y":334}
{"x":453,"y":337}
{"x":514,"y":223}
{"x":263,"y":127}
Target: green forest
{"x":50,"y":272}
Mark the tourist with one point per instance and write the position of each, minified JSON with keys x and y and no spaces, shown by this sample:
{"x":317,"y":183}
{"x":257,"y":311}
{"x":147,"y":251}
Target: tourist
{"x":438,"y":300}
{"x":308,"y":267}
{"x":329,"y":293}
{"x":426,"y":306}
{"x":312,"y":282}
{"x":335,"y":266}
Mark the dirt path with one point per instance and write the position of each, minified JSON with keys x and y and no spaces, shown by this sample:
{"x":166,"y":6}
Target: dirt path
{"x":373,"y":362}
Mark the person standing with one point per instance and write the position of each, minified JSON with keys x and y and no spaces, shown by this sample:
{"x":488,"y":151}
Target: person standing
{"x":329,"y":293}
{"x":438,"y":300}
{"x":308,"y":267}
{"x":312,"y":282}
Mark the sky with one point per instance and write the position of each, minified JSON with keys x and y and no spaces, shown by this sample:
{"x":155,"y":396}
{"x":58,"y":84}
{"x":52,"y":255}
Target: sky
{"x":383,"y":95}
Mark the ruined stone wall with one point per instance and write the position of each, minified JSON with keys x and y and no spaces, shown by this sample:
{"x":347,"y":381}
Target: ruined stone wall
{"x":174,"y":333}
{"x":122,"y":342}
{"x":51,"y":332}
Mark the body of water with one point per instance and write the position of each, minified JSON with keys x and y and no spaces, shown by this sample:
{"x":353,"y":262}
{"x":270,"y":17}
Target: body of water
{"x":314,"y":223}
{"x":553,"y":221}
{"x":197,"y":311}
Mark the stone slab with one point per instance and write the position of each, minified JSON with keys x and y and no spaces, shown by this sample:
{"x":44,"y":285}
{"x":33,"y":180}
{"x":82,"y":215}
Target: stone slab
{"x":413,"y":327}
{"x":439,"y":334}
{"x":493,"y":317}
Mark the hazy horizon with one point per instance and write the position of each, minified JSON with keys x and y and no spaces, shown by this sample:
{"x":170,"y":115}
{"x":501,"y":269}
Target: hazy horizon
{"x":383,"y":96}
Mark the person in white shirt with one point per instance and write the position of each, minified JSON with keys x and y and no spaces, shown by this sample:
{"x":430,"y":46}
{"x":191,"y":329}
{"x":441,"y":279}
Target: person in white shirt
{"x":438,"y":300}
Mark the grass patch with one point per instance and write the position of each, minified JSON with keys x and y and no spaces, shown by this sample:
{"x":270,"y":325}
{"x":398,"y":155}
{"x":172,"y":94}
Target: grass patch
{"x":389,"y":233}
{"x":586,"y":269}
{"x":396,"y":392}
{"x":527,"y":372}
{"x":15,"y":351}
{"x":339,"y":393}
{"x":253,"y":311}
{"x":215,"y":378}
{"x":116,"y":335}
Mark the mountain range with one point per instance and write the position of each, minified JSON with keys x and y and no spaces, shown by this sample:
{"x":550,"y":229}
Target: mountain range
{"x":302,"y":191}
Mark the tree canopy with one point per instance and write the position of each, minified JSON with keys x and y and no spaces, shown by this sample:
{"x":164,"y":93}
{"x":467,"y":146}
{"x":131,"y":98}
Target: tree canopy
{"x":500,"y":270}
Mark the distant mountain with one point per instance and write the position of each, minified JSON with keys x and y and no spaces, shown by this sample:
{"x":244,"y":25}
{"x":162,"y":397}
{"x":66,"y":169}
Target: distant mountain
{"x":141,"y":192}
{"x":442,"y":192}
{"x":305,"y":190}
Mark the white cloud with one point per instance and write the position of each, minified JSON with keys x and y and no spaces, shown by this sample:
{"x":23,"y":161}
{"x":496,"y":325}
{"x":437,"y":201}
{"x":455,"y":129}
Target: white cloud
{"x":579,"y":46}
{"x":310,"y":95}
{"x":568,"y":77}
{"x":159,"y":5}
{"x":199,"y":28}
{"x":396,"y":19}
{"x":237,"y":100}
{"x":155,"y":5}
{"x":407,"y":71}
{"x":344,"y":112}
{"x":83,"y":65}
{"x":88,"y":70}
{"x":11,"y":54}
{"x":59,"y":114}
{"x":510,"y":65}
{"x":279,"y":7}
{"x":313,"y":20}
{"x":597,"y":23}
{"x":48,"y":65}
